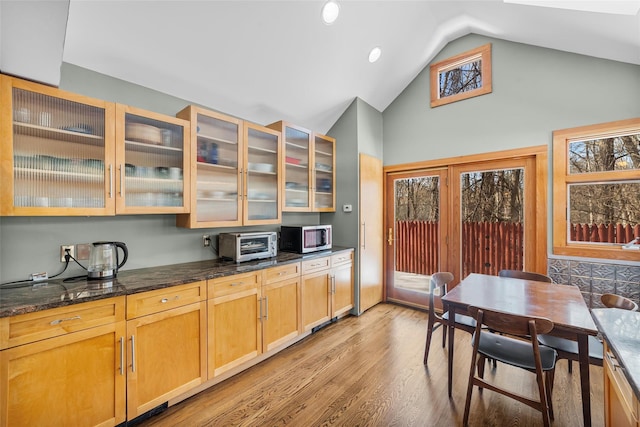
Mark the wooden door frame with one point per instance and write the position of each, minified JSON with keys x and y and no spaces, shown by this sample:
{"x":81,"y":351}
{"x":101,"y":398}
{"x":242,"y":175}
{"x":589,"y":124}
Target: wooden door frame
{"x":539,"y":154}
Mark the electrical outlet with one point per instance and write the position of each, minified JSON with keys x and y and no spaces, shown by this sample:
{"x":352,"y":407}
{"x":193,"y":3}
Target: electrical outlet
{"x":206,"y":240}
{"x":83,"y":250}
{"x":63,"y":251}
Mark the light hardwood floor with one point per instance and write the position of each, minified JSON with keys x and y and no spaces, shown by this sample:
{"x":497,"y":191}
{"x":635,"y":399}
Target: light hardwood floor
{"x":368,"y":371}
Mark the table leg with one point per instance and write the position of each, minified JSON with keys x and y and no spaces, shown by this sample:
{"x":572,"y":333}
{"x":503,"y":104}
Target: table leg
{"x":451,"y":326}
{"x":583,"y":355}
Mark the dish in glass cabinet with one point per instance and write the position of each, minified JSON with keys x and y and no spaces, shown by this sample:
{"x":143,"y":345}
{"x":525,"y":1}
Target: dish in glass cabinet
{"x":80,"y":128}
{"x":140,"y":132}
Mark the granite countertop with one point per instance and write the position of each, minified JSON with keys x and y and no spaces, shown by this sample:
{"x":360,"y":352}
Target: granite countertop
{"x":621,"y":329}
{"x":28,"y":297}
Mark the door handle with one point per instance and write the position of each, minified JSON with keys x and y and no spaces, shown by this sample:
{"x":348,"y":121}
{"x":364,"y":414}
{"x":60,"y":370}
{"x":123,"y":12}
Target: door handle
{"x":364,"y":235}
{"x":390,"y":236}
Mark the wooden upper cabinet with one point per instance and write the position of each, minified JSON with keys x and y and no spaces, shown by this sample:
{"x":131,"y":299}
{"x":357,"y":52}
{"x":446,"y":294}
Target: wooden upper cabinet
{"x":57,"y":153}
{"x":152,"y":155}
{"x":235,"y":172}
{"x":65,"y":154}
{"x":309,"y":169}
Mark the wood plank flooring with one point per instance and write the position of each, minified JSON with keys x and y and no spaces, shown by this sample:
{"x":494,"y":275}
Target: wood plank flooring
{"x":368,"y":371}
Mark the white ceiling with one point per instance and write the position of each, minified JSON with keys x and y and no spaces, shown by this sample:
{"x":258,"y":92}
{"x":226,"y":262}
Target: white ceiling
{"x":270,"y":60}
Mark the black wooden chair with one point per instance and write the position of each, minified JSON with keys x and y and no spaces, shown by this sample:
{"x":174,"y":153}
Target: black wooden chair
{"x":526,"y":275}
{"x":524,"y":352}
{"x":440,"y":281}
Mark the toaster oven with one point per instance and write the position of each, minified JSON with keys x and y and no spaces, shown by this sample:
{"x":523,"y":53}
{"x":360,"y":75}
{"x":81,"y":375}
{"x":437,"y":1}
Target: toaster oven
{"x":241,"y":247}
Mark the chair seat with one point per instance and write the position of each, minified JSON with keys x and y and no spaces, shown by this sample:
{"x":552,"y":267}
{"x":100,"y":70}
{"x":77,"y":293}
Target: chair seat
{"x":569,"y":346}
{"x":515,"y":352}
{"x":462,"y":319}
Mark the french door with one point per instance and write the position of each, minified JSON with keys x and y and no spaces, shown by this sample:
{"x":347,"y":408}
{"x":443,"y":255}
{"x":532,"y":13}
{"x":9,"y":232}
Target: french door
{"x":475,"y":217}
{"x":416,"y":233}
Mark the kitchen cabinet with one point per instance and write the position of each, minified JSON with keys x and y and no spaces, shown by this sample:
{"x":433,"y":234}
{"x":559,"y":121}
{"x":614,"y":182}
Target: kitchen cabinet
{"x":234,"y":329}
{"x":65,"y":154}
{"x":152,"y":155}
{"x":64,"y":366}
{"x":57,"y":153}
{"x":235,"y":172}
{"x":281,"y":312}
{"x":620,"y":403}
{"x":309,"y":169}
{"x":166,"y":345}
{"x":327,"y":288}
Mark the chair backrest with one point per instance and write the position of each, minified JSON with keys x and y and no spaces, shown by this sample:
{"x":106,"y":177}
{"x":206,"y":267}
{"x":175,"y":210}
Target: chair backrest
{"x":510,"y":323}
{"x":526,"y":275}
{"x":439,"y":281}
{"x":618,"y":301}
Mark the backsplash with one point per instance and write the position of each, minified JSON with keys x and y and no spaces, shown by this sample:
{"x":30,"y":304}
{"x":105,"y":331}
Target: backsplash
{"x":595,"y":279}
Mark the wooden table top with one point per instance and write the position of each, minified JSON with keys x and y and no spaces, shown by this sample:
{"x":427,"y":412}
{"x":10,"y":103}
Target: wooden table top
{"x":562,"y":304}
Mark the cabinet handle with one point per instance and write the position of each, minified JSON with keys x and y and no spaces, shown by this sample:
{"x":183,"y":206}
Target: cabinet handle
{"x":281,"y":273}
{"x":333,"y":284}
{"x":121,"y":355}
{"x":58,"y":321}
{"x":121,"y":181}
{"x":237,"y":283}
{"x":133,"y":354}
{"x":266,"y":308}
{"x":260,"y":304}
{"x":110,"y":181}
{"x":165,"y":300}
{"x":241,"y":189}
{"x":364,"y":235}
{"x":613,"y":360}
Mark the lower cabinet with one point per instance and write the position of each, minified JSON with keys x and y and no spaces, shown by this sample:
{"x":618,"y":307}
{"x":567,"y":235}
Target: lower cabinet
{"x":64,"y":366}
{"x":620,"y":403}
{"x":342,"y":276}
{"x":166,"y":345}
{"x":234,"y":331}
{"x":281,"y":312}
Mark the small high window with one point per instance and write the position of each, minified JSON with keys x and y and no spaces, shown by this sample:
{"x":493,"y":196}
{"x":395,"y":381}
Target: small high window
{"x":462,"y":76}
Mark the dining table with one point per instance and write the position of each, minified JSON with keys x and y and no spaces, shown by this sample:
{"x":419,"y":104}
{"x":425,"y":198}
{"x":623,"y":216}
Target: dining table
{"x":564,"y":305}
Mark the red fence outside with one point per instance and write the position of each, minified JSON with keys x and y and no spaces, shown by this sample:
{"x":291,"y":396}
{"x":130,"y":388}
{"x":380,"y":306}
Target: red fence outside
{"x":488,"y":247}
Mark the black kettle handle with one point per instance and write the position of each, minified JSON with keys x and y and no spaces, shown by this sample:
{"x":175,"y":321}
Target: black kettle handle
{"x":125,"y":253}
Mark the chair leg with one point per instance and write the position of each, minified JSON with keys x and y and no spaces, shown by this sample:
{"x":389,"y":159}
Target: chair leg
{"x":445,"y":329}
{"x":467,"y":403}
{"x":549,"y":387}
{"x":481,"y":362}
{"x":544,"y":399}
{"x":570,"y":365}
{"x":428,"y":343}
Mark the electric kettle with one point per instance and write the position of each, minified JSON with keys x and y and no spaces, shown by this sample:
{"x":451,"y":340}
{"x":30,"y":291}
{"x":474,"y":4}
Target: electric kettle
{"x":103,"y":261}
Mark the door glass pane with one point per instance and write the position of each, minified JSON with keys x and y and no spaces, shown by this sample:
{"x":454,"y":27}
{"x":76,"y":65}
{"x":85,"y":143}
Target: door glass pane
{"x":492,"y":216}
{"x":262,"y":175}
{"x":417,"y":231}
{"x":297,"y":172}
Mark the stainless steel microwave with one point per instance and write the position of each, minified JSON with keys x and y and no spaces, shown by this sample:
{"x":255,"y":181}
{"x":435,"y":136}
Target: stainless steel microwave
{"x":305,"y":238}
{"x":248,"y":246}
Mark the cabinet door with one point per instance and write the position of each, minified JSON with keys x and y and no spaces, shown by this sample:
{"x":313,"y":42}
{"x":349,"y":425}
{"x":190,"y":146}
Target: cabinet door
{"x":342,"y":295}
{"x":316,"y":299}
{"x":166,"y":356}
{"x":234,"y":330}
{"x":57,"y":152}
{"x":280,"y":312}
{"x":216,"y":166}
{"x":71,"y":380}
{"x":324,"y":166}
{"x":620,"y":403}
{"x":262,"y":178}
{"x":152,"y":154}
{"x":297,"y":166}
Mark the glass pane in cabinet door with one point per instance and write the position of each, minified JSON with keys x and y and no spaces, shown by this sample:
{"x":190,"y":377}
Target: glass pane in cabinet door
{"x":217,"y":176}
{"x":262,"y":175}
{"x":297,"y":168}
{"x":59,"y":152}
{"x":153,"y":162}
{"x":324,"y":174}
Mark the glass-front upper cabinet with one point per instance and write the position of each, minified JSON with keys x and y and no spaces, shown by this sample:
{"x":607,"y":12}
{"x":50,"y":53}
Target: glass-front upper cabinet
{"x":153,"y":162}
{"x":57,"y":152}
{"x":297,"y":166}
{"x":262,"y":182}
{"x":324,"y":198}
{"x":216,"y":172}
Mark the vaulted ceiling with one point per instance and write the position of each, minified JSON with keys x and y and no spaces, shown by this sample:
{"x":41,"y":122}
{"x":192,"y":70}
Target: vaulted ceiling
{"x":270,"y":60}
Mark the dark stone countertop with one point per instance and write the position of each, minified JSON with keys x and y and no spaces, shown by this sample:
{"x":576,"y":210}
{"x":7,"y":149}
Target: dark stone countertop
{"x":621,"y":329}
{"x":27,"y":297}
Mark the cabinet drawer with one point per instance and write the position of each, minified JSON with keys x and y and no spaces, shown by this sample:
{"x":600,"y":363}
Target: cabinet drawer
{"x":316,"y":264}
{"x":621,"y":384}
{"x":342,"y":258}
{"x":231,"y":284}
{"x":31,"y":327}
{"x":283,"y":272}
{"x":164,"y":299}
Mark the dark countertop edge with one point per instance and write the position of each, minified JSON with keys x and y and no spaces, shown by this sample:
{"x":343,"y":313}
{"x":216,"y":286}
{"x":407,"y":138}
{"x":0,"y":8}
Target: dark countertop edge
{"x":633,"y":381}
{"x":146,"y":279}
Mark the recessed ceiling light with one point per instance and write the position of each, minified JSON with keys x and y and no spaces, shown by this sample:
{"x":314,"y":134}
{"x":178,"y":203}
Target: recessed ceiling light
{"x":330,"y":12}
{"x":374,"y":55}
